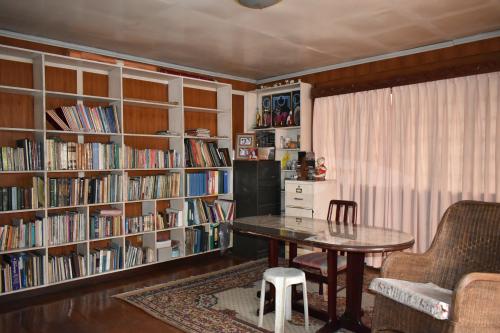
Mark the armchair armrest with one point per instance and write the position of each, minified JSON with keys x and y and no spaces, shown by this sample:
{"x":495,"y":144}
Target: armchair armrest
{"x":475,"y":303}
{"x":407,"y":266}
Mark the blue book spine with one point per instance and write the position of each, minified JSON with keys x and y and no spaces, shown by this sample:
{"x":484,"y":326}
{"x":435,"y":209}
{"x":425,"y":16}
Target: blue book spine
{"x":95,"y":155}
{"x":15,"y":272}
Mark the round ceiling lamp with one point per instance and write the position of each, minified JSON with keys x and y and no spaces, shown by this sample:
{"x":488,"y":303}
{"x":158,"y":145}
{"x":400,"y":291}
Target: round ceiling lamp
{"x":258,"y":4}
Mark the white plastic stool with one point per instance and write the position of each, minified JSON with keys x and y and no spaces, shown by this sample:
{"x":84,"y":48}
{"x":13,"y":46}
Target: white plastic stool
{"x":283,"y":278}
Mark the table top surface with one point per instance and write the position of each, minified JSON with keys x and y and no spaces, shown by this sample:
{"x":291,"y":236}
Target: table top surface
{"x":324,"y":234}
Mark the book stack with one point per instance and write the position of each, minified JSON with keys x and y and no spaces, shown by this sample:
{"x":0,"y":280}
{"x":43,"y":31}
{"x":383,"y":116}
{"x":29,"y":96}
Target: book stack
{"x":196,"y":240}
{"x":207,"y":183}
{"x":83,"y":191}
{"x":79,"y":118}
{"x":205,"y":154}
{"x":20,"y":234}
{"x":214,"y":237}
{"x":62,"y":268}
{"x":170,"y":218}
{"x":151,"y":158}
{"x":105,"y":259}
{"x":106,"y":223}
{"x":66,"y":228}
{"x":201,"y":211}
{"x":27,"y":155}
{"x":199,"y":132}
{"x":17,"y":198}
{"x":154,"y":187}
{"x":139,"y":224}
{"x":136,"y":255}
{"x":82,"y":156}
{"x":21,"y":270}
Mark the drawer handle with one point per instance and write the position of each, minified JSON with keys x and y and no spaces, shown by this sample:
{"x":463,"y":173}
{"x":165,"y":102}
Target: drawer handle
{"x":298,"y":190}
{"x":298,"y":198}
{"x":298,"y":220}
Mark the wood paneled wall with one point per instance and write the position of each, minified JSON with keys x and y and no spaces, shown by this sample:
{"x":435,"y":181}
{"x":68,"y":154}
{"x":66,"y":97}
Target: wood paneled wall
{"x":460,"y":60}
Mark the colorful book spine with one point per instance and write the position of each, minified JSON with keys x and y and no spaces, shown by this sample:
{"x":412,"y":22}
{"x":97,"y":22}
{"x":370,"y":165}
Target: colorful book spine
{"x":66,"y":228}
{"x":27,"y":155}
{"x":153,"y":187}
{"x":207,"y":183}
{"x":151,"y":158}
{"x":138,"y":224}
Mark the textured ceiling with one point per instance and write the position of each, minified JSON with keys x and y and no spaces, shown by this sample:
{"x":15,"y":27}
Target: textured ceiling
{"x":222,"y":36}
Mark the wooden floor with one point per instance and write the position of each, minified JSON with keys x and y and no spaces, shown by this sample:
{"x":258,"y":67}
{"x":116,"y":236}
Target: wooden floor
{"x":92,"y":309}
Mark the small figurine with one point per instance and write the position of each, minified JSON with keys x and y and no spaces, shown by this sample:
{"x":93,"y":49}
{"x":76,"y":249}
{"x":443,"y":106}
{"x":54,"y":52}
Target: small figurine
{"x":320,"y":171}
{"x":258,"y":118}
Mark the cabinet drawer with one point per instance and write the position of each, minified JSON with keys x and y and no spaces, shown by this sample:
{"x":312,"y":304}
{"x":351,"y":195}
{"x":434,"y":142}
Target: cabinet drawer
{"x":299,"y":212}
{"x":298,"y":188}
{"x":299,"y":200}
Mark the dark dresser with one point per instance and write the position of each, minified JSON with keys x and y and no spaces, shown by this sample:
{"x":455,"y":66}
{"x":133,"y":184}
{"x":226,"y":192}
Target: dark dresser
{"x":257,"y":191}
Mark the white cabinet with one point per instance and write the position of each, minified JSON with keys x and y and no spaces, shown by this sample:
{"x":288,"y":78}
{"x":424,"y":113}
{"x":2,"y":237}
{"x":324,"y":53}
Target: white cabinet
{"x":308,"y":198}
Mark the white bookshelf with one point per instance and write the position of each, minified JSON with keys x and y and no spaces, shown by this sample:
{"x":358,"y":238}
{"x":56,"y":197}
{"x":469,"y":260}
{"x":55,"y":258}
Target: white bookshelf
{"x":304,"y":130}
{"x":116,"y":74}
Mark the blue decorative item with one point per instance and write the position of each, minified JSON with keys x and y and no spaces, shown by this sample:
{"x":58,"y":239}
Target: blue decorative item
{"x":296,"y":107}
{"x":282,"y":106}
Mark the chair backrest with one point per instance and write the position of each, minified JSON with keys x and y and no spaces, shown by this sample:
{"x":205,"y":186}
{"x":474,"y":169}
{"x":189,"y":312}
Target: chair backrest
{"x":342,"y":211}
{"x":467,"y":240}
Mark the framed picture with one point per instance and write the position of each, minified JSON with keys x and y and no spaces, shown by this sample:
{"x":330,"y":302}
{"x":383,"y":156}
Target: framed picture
{"x":245,"y":146}
{"x":282,"y":106}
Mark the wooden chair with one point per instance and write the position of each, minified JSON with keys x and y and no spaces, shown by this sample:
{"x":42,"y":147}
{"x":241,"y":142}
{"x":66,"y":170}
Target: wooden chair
{"x":315,"y":263}
{"x":464,"y":260}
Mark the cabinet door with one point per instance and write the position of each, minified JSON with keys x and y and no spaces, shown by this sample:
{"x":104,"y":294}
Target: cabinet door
{"x":245,"y":188}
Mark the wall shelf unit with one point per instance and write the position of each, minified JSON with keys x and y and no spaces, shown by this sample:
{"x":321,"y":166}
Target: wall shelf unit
{"x":146,"y":102}
{"x":293,"y":132}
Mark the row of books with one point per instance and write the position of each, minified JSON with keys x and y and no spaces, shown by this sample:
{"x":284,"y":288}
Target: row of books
{"x":139,"y":224}
{"x":82,"y":156}
{"x":27,"y":155}
{"x":200,"y":211}
{"x":105,"y":223}
{"x":105,"y":259}
{"x":197,"y":240}
{"x":21,"y":270}
{"x":207,"y":182}
{"x":151,"y":158}
{"x":20,"y":234}
{"x":66,"y":228}
{"x":66,"y":267}
{"x":169,"y":218}
{"x":201,"y":153}
{"x":199,"y":132}
{"x":16,"y":198}
{"x":154,"y":187}
{"x":83,"y":191}
{"x":136,"y":255}
{"x":80,"y":118}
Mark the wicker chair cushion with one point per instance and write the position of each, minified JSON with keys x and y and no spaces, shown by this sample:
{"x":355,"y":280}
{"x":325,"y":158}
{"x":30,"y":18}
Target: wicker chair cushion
{"x":424,"y":297}
{"x":318,"y":260}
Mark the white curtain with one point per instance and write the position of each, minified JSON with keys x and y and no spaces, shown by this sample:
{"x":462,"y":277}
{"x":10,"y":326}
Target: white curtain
{"x":405,"y":154}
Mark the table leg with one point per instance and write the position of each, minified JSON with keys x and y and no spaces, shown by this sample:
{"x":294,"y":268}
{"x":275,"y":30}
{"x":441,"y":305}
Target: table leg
{"x":332,"y":325}
{"x":272,"y":261}
{"x":292,"y":253}
{"x":351,"y":319}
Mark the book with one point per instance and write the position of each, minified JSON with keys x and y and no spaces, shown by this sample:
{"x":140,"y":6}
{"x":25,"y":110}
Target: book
{"x":20,"y":234}
{"x":207,"y":183}
{"x":21,"y":270}
{"x":26,"y":155}
{"x":68,"y":227}
{"x":18,"y":198}
{"x":102,"y":226}
{"x":80,"y":118}
{"x":137,"y":224}
{"x":153,"y":187}
{"x":66,"y":267}
{"x":200,"y":153}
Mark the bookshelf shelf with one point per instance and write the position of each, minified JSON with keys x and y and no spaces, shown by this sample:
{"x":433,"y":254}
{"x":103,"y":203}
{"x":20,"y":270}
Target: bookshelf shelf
{"x":24,"y":249}
{"x":133,"y":93}
{"x":64,"y":95}
{"x":29,"y":130}
{"x":277,"y":128}
{"x":211,"y":138}
{"x":81,"y":133}
{"x":22,"y":172}
{"x":19,"y":90}
{"x":157,"y":136}
{"x":67,"y":244}
{"x":21,"y":211}
{"x":202,"y":109}
{"x":150,"y":104}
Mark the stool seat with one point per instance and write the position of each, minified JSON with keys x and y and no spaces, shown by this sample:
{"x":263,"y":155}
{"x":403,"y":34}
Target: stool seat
{"x":283,"y":278}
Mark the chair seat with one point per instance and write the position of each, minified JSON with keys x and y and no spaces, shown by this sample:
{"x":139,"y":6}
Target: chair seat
{"x":424,"y":297}
{"x":318,"y":260}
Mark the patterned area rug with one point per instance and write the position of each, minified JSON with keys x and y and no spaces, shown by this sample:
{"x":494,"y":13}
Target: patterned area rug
{"x":225,"y":301}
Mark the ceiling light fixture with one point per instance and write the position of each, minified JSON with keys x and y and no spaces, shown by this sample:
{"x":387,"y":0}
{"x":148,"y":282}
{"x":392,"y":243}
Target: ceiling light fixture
{"x":258,"y":4}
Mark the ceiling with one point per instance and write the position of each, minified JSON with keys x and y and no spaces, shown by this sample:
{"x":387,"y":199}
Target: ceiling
{"x":224,"y":37}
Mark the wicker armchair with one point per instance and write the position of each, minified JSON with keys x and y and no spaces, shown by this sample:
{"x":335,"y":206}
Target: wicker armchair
{"x":464,"y":257}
